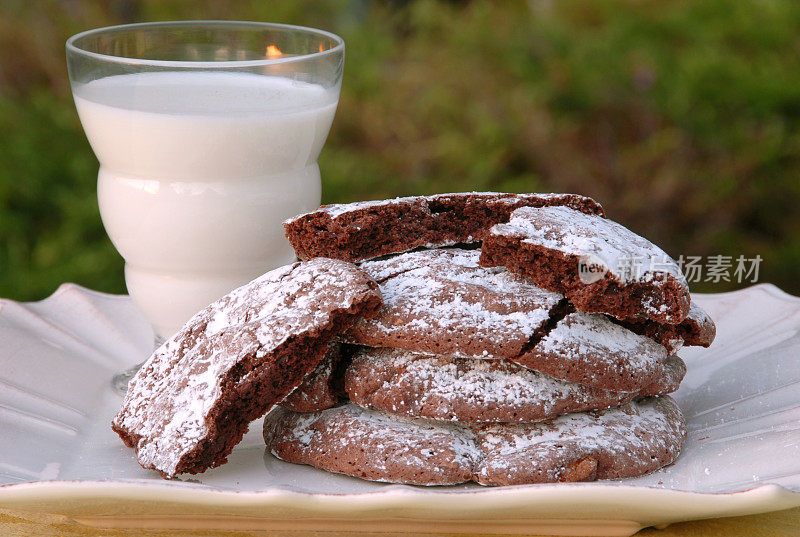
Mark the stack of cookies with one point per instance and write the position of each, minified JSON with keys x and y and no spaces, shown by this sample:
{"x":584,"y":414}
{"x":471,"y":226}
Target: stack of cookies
{"x":496,"y":338}
{"x":544,"y":355}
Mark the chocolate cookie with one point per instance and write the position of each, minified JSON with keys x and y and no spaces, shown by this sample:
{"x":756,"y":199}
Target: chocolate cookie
{"x":634,"y":439}
{"x":323,"y":387}
{"x":476,"y":390}
{"x":372,"y":445}
{"x":599,"y":265}
{"x":628,"y":441}
{"x":589,"y":349}
{"x":696,"y":330}
{"x":193,"y":399}
{"x":442,"y":302}
{"x":363,"y":230}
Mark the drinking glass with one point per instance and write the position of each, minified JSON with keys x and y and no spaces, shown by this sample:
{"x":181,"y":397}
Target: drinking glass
{"x":208,"y":134}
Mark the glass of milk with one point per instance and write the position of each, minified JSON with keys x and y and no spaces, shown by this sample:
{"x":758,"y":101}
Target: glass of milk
{"x":208,"y":134}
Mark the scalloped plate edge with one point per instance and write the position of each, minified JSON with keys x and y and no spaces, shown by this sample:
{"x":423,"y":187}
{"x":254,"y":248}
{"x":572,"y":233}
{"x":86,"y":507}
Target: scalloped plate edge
{"x":607,"y":509}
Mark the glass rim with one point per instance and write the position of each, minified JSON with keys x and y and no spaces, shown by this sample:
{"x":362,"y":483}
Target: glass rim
{"x":73,"y":48}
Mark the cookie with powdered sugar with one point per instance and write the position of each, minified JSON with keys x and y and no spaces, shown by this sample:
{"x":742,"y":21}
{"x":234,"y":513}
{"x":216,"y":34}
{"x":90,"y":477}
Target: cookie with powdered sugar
{"x":598,"y":264}
{"x":443,"y":302}
{"x":476,"y":390}
{"x":192,"y":401}
{"x":372,"y":445}
{"x":589,"y":349}
{"x":627,"y":441}
{"x":368,"y":229}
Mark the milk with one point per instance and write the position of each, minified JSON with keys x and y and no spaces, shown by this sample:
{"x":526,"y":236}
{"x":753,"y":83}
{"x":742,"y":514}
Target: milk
{"x":197,"y":172}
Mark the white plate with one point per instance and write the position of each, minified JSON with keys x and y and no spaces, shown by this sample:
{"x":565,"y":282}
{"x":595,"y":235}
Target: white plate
{"x":59,"y":456}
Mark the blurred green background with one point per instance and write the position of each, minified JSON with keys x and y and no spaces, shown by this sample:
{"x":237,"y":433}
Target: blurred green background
{"x":681,"y":117}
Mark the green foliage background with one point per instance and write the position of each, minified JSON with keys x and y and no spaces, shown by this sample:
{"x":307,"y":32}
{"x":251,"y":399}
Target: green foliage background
{"x":681,"y":117}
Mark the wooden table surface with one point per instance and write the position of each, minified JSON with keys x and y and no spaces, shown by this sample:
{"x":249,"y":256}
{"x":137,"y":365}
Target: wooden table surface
{"x":777,"y":524}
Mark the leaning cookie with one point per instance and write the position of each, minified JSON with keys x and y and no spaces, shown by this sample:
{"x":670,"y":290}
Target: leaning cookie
{"x":364,"y":230}
{"x":193,"y":399}
{"x":599,"y":265}
{"x":473,"y":390}
{"x":628,"y":441}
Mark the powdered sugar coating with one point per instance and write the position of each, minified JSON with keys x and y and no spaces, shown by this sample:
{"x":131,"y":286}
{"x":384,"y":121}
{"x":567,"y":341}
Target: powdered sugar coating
{"x":476,"y":390}
{"x":627,"y":441}
{"x":599,"y":265}
{"x":373,"y":445}
{"x":633,"y":439}
{"x":441,"y":301}
{"x":699,"y":316}
{"x":699,"y":327}
{"x":589,"y":349}
{"x":170,"y":408}
{"x":600,"y":240}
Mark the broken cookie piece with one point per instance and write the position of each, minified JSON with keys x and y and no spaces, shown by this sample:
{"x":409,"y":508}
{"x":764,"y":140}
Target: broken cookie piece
{"x":192,"y":401}
{"x":369,"y":229}
{"x":599,"y":265}
{"x":696,"y":330}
